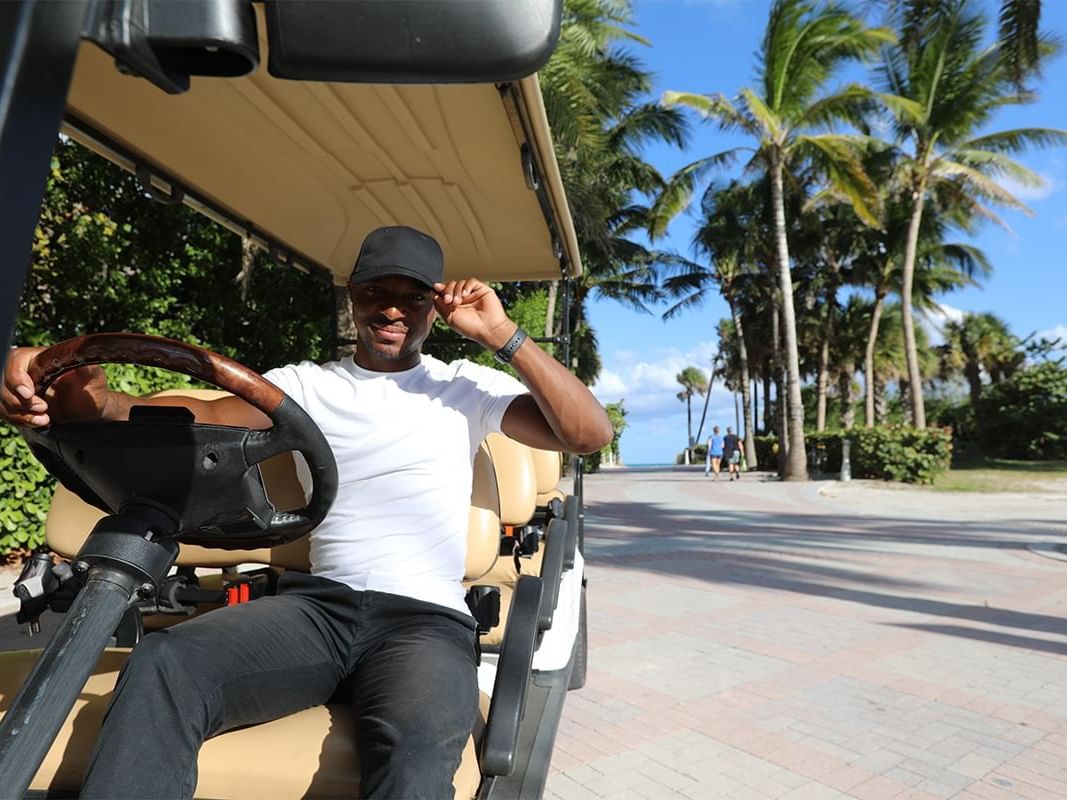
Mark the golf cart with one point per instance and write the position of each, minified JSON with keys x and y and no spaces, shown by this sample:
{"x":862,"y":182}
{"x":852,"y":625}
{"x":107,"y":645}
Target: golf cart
{"x":368,"y":113}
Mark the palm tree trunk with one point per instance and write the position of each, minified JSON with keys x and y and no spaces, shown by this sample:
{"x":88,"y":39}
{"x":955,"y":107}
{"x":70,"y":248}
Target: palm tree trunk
{"x":868,"y":358}
{"x":550,"y":311}
{"x":344,"y":327}
{"x":755,"y":399}
{"x":911,"y":353}
{"x":822,"y":382}
{"x":844,"y":388}
{"x":689,"y":414}
{"x":781,"y":419}
{"x":746,"y":401}
{"x":796,"y":468}
{"x":767,"y":427}
{"x":881,"y":407}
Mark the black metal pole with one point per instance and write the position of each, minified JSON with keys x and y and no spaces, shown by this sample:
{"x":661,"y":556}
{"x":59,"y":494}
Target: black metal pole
{"x":566,"y":331}
{"x":45,"y":699}
{"x":38,"y":43}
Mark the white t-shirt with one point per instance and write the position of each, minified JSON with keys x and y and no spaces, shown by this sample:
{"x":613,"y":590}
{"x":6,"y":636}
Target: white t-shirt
{"x":405,"y":445}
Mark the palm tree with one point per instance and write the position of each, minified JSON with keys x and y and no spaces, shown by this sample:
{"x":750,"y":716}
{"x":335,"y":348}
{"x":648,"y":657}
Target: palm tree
{"x":941,"y":85}
{"x":594,"y":89}
{"x":617,"y":416}
{"x":693,"y":381}
{"x":847,"y":348}
{"x":802,"y":47}
{"x":980,"y":343}
{"x":729,"y":237}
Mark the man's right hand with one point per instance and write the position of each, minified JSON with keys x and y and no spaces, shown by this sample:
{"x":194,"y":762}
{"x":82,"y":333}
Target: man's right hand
{"x":81,"y":394}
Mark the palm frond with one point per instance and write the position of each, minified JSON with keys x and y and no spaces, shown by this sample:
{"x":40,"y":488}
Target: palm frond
{"x":678,"y":193}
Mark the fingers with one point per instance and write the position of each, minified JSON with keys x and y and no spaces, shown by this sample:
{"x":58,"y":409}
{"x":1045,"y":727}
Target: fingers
{"x":462,"y":292}
{"x":18,"y":402}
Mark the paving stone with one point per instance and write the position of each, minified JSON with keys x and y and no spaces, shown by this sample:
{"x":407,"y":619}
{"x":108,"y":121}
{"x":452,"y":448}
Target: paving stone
{"x":771,"y":643}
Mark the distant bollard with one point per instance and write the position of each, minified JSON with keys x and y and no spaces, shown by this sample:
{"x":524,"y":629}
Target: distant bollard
{"x":846,"y":465}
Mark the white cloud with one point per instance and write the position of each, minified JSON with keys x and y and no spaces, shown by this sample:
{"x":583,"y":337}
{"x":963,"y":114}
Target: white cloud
{"x":933,"y":322}
{"x":648,"y":383}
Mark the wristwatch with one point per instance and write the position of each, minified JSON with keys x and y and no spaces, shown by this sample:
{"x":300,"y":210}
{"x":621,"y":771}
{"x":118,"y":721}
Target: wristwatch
{"x":507,"y":352}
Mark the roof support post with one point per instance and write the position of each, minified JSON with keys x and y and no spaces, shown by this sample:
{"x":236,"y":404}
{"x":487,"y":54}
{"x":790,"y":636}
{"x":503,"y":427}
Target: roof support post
{"x":565,"y":328}
{"x":38,"y":43}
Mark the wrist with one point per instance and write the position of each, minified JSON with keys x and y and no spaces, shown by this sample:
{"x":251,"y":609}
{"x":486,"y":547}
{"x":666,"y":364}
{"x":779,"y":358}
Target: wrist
{"x":499,"y":335}
{"x":505,"y":353}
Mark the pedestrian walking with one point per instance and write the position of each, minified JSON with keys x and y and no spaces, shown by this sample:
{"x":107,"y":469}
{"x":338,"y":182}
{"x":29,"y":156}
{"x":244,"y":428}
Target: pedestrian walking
{"x":731,"y":453}
{"x":715,"y":445}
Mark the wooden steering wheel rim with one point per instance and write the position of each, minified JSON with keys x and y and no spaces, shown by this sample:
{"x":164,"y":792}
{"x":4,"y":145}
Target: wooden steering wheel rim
{"x":154,"y":351}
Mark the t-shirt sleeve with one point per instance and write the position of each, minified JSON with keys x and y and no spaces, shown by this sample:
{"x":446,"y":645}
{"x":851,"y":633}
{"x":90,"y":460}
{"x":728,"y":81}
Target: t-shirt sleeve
{"x":291,"y":380}
{"x":496,"y":390}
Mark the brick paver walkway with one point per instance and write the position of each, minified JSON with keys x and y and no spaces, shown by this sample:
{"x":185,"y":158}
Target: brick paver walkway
{"x":757,"y":640}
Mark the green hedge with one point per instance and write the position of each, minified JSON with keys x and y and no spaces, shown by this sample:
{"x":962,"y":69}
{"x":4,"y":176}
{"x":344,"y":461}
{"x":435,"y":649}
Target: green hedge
{"x":900,"y":453}
{"x":26,"y":489}
{"x":1025,"y":416}
{"x":892,"y":453}
{"x":24,"y":498}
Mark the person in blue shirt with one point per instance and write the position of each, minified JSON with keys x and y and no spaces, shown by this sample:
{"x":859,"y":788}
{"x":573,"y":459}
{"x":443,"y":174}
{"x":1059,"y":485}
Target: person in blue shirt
{"x":715,"y":445}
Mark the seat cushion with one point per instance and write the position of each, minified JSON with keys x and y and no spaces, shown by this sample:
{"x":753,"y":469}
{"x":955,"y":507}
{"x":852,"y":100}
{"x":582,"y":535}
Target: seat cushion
{"x":314,"y":750}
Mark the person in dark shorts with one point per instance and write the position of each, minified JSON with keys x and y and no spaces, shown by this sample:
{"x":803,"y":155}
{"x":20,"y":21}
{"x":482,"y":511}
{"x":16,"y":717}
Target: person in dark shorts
{"x":731,"y":453}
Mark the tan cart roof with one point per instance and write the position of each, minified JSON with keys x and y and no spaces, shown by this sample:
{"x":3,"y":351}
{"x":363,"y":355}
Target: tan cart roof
{"x":309,"y":168}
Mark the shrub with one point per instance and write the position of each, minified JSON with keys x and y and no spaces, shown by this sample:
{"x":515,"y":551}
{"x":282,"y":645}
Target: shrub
{"x":900,"y":453}
{"x":892,"y":453}
{"x":1025,"y":416}
{"x":26,"y":494}
{"x":766,"y":452}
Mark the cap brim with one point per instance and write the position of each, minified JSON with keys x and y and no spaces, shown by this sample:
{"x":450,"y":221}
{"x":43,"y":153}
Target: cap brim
{"x":373,"y":273}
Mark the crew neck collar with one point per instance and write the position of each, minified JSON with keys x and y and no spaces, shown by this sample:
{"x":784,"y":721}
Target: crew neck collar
{"x":362,"y":372}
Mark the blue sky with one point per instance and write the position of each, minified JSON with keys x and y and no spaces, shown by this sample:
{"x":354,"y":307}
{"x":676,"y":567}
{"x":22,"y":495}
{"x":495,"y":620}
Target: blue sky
{"x":709,"y":46}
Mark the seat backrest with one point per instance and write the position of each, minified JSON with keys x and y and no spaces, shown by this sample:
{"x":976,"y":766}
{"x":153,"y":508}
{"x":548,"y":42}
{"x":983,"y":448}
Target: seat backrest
{"x":548,"y":467}
{"x":516,"y":479}
{"x":70,"y":519}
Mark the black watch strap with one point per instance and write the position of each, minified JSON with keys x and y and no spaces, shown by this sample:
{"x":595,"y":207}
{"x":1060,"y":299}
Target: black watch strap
{"x":505,"y":353}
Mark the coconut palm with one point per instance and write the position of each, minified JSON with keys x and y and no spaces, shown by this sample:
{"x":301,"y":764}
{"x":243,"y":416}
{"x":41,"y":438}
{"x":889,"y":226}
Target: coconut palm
{"x":941,"y":266}
{"x":942,"y":84}
{"x":803,"y":45}
{"x":847,"y":349}
{"x":729,"y":237}
{"x":693,"y":381}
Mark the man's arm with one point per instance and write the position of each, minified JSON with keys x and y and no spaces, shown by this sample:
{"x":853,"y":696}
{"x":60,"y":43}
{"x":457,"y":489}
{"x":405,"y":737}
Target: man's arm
{"x":560,"y":413}
{"x":83,"y":394}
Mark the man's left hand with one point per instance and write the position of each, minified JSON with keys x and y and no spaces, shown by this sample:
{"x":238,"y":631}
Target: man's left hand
{"x":472,"y":309}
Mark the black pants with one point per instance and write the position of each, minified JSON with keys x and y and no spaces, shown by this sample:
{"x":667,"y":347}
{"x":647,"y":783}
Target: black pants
{"x":413,"y":671}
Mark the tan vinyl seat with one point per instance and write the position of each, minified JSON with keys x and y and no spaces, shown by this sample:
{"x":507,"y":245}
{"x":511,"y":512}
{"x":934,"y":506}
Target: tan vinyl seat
{"x":316,"y":746}
{"x":514,"y":468}
{"x":548,"y":467}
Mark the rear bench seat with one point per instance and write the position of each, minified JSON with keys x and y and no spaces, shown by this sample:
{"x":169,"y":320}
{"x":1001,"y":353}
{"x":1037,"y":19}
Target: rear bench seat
{"x":316,"y":747}
{"x":532,"y":481}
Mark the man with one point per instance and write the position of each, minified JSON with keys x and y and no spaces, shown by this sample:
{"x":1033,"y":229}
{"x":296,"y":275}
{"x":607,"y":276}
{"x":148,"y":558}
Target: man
{"x":731,"y":453}
{"x":383,"y":607}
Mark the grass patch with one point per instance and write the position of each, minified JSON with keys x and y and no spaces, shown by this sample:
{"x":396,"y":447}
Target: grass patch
{"x":1004,"y":475}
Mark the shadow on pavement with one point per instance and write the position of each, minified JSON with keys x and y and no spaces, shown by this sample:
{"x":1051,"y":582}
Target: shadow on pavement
{"x":797,"y":553}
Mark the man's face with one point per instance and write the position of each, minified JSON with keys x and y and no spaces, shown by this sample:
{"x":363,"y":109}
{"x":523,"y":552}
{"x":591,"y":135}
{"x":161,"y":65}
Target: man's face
{"x":393,"y":316}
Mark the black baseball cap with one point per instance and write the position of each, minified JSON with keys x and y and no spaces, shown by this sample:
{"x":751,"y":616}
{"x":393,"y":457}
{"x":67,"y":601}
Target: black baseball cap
{"x":399,"y":250}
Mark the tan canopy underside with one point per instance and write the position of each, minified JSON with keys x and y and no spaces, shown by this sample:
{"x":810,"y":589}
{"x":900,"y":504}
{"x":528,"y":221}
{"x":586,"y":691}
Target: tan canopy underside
{"x":315,"y":166}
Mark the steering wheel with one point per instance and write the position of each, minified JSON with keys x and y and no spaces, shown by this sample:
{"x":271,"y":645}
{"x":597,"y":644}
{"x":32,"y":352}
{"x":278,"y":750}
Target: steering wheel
{"x":205,"y":477}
